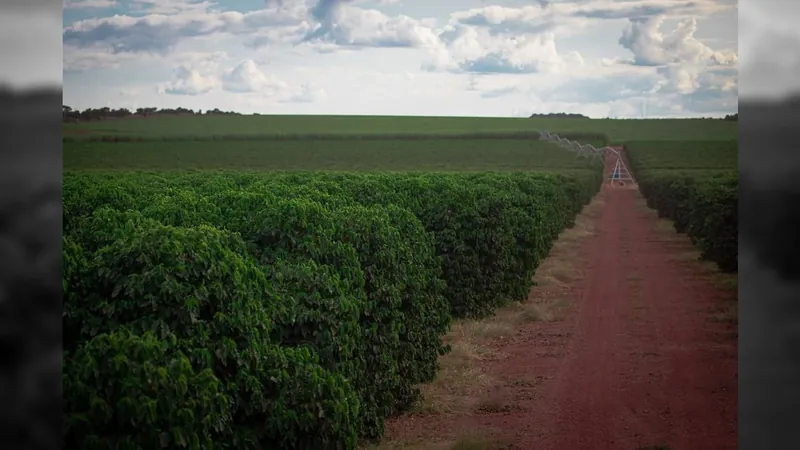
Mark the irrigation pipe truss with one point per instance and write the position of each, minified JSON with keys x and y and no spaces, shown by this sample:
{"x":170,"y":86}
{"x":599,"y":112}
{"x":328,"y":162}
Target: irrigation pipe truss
{"x":581,"y":150}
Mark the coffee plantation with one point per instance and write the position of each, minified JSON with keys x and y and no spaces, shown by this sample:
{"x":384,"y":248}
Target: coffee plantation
{"x":295,"y":310}
{"x":696,"y":185}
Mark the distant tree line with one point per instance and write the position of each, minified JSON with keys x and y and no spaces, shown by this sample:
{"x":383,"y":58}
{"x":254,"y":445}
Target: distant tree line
{"x":560,"y":115}
{"x":74,"y":115}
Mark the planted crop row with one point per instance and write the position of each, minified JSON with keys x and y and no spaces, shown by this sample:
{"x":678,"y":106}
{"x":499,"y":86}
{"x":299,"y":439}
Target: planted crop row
{"x":697,"y":190}
{"x":595,"y":138}
{"x":294,"y":310}
{"x":683,"y":155}
{"x":619,"y":130}
{"x":384,"y":154}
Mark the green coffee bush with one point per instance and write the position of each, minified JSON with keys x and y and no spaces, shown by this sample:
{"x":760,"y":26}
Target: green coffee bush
{"x":713,"y":223}
{"x":299,"y":230}
{"x":132,"y":391}
{"x":200,"y":285}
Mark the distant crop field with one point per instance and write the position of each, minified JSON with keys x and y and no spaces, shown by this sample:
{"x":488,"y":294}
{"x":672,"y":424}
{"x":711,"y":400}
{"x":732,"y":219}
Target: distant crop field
{"x":333,"y":155}
{"x":266,"y":126}
{"x":660,"y":155}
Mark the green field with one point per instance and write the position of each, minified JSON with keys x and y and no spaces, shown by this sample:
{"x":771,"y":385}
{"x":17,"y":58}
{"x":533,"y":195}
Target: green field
{"x":684,"y":155}
{"x":269,"y":126}
{"x":367,"y":155}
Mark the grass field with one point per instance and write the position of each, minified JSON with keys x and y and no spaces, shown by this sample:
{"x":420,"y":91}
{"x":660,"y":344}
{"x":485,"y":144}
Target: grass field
{"x":662,"y":155}
{"x":370,"y":155}
{"x":268,"y":126}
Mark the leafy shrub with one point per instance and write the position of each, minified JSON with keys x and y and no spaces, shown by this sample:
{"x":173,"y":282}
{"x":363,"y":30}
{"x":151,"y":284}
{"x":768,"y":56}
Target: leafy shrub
{"x":106,"y":225}
{"x":319,"y":301}
{"x":714,"y":218}
{"x":129,"y":391}
{"x":81,"y":199}
{"x":297,"y":230}
{"x":495,"y":262}
{"x":199,"y":284}
{"x":390,"y":281}
{"x":425,"y":310}
{"x":696,"y":191}
{"x":182,"y":207}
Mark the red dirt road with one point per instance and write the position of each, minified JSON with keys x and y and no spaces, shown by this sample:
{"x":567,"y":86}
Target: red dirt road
{"x":637,"y":363}
{"x":644,"y":366}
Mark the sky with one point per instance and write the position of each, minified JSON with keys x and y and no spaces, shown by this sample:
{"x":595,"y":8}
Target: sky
{"x":601,"y":58}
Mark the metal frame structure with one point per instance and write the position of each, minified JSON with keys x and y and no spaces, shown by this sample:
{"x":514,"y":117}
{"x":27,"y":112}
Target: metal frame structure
{"x":619,"y":173}
{"x":587,"y":151}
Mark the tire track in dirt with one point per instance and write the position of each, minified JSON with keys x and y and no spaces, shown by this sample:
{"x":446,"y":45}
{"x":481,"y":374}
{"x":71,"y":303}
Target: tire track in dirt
{"x":584,"y":398}
{"x":687,"y":397}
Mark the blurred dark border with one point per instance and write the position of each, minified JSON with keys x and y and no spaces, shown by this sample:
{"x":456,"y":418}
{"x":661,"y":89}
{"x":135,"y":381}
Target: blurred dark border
{"x":30,"y":269}
{"x":769,"y":274}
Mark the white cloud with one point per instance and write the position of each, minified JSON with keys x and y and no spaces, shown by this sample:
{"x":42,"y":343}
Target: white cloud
{"x":160,"y":33}
{"x":476,"y":50}
{"x":82,"y":60}
{"x":352,"y":26}
{"x":499,"y":19}
{"x":650,"y":47}
{"x":88,"y":4}
{"x":627,"y":9}
{"x":281,"y":22}
{"x":188,"y":80}
{"x":248,"y":77}
{"x":206,"y":62}
{"x":320,"y":56}
{"x":169,"y":6}
{"x":564,"y":17}
{"x":305,"y":93}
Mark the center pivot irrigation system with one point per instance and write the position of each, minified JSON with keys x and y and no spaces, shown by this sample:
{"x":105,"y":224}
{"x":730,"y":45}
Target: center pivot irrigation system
{"x":619,"y":173}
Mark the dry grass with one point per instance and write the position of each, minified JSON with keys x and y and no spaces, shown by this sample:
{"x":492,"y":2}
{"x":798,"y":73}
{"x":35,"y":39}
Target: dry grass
{"x":729,"y":312}
{"x":465,"y":440}
{"x":547,"y":310}
{"x":634,"y":277}
{"x":461,"y":383}
{"x":495,"y":402}
{"x":478,"y":443}
{"x":409,"y":444}
{"x":665,"y":226}
{"x":728,"y":282}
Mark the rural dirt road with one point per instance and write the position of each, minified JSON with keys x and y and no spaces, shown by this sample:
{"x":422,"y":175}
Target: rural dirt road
{"x":638,"y":360}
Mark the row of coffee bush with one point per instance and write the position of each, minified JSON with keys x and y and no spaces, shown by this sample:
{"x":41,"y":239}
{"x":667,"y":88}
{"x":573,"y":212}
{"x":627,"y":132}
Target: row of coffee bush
{"x":283,"y":310}
{"x":701,"y":199}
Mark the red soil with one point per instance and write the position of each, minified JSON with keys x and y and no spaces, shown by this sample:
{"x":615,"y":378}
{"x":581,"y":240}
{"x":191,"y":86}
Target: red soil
{"x":638,"y":362}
